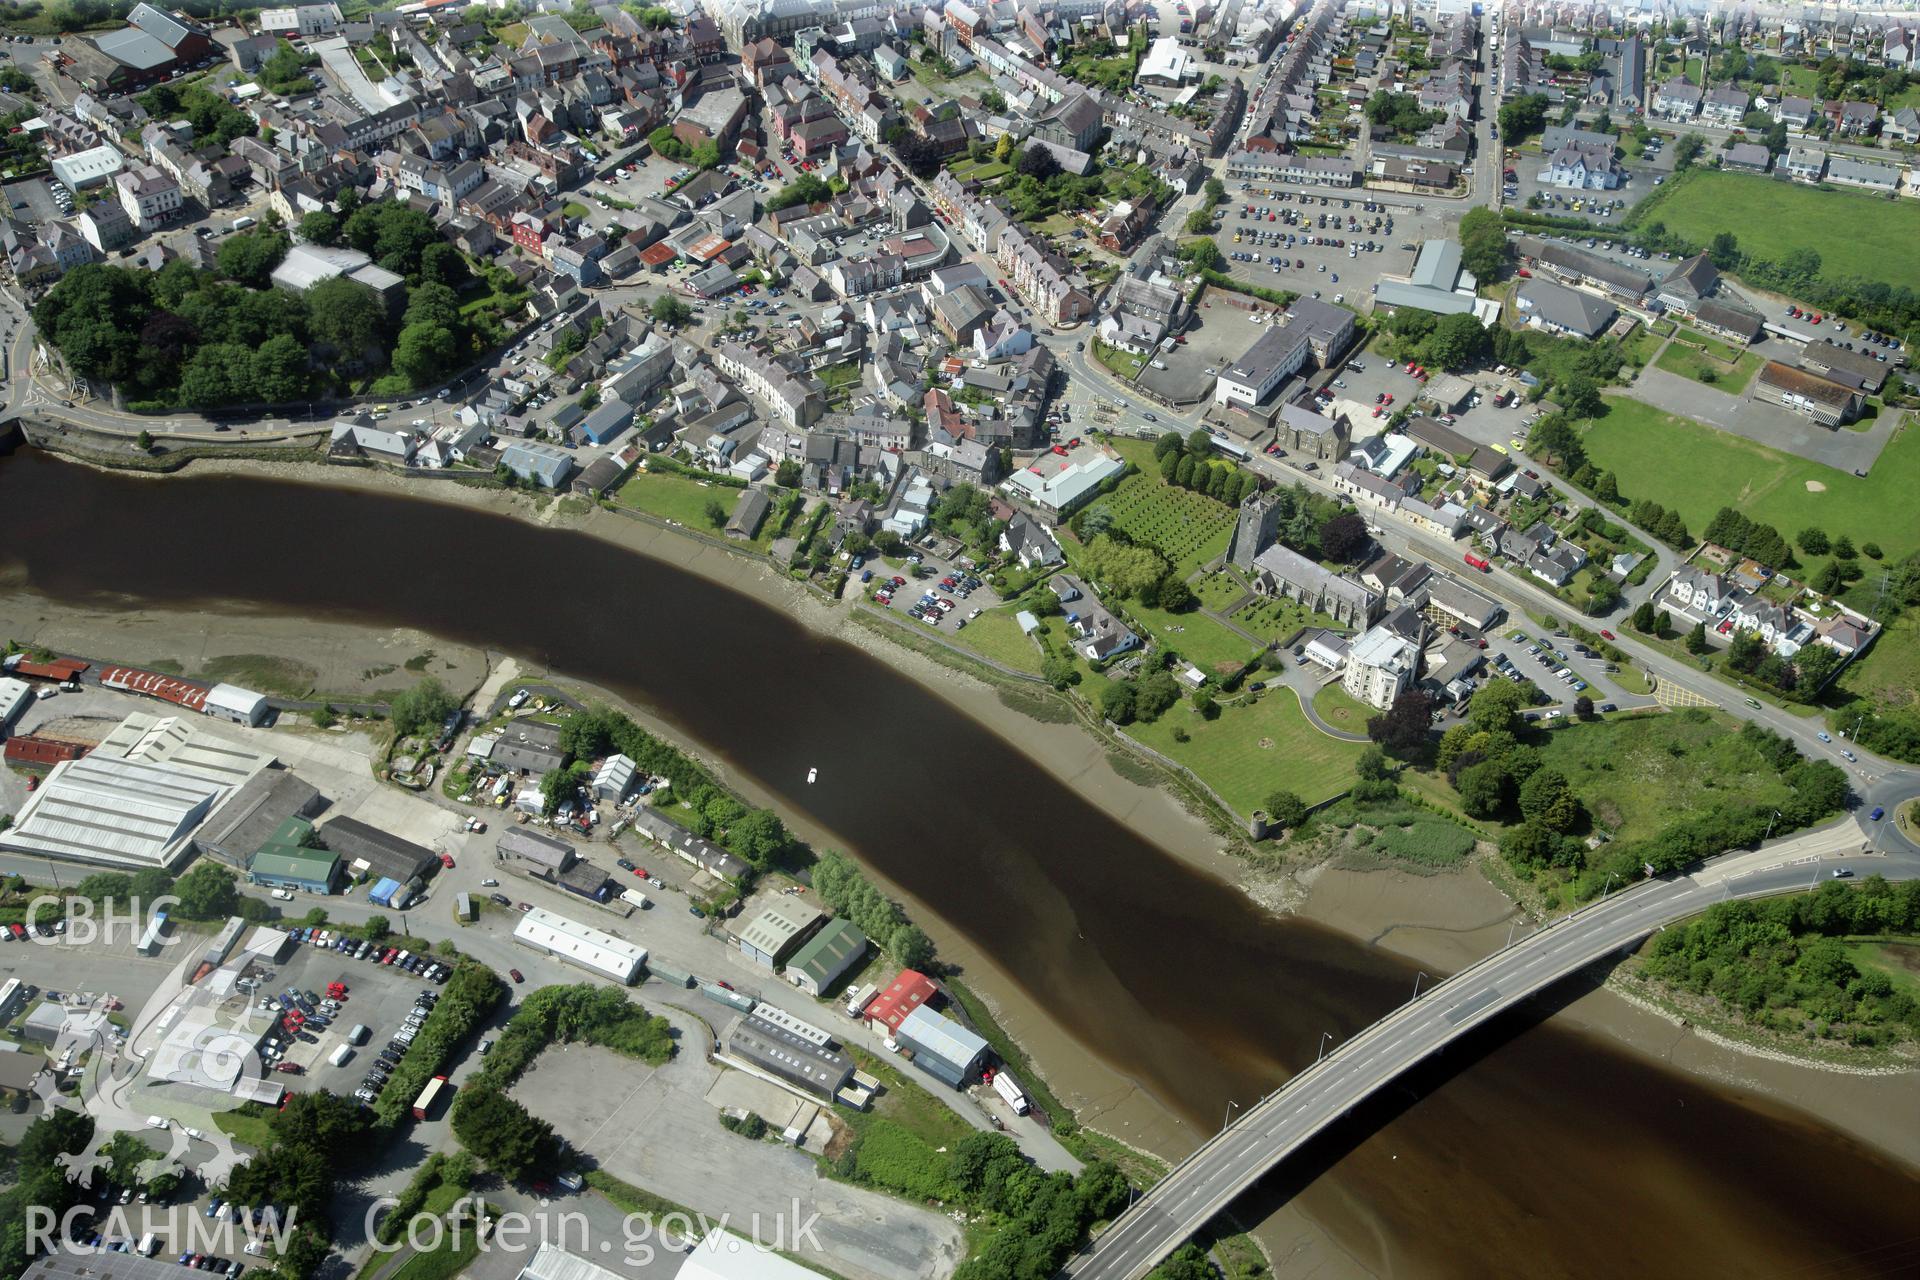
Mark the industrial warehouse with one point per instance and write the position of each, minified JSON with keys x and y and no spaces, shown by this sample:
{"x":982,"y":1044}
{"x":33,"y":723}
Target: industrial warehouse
{"x":578,"y":944}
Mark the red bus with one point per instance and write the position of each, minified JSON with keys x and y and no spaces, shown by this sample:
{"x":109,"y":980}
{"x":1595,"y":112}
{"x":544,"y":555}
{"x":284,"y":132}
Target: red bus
{"x":1478,"y":563}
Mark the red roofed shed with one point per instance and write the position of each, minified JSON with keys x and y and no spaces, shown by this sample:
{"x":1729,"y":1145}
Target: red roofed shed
{"x":903,"y":995}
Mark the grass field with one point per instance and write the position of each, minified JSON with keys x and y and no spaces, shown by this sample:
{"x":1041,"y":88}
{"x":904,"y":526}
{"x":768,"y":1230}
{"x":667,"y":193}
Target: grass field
{"x":1729,"y":373}
{"x":995,"y":634}
{"x":1188,"y":528}
{"x":1251,"y":751}
{"x":1638,"y":774}
{"x":1215,"y":649}
{"x":674,"y":497}
{"x":1898,"y":958}
{"x":1771,"y":219}
{"x":1697,"y":470}
{"x":1889,"y":675}
{"x":252,"y":1131}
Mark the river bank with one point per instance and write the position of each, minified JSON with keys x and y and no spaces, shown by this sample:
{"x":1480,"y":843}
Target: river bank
{"x":1450,"y":912}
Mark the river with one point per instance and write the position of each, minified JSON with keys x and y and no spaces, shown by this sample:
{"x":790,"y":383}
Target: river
{"x":1531,"y":1150}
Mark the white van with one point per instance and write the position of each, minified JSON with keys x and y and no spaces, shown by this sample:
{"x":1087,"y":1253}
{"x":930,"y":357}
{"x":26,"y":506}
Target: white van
{"x":242,"y":223}
{"x":341,"y":1055}
{"x":149,"y":1245}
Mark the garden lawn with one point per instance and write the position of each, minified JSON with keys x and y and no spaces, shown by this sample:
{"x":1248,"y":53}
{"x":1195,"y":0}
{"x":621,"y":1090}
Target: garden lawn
{"x":996,"y":635}
{"x":1728,"y":378}
{"x":1341,"y":709}
{"x":1696,"y":470}
{"x":1771,"y":219}
{"x":1253,"y":750}
{"x":1626,"y":772}
{"x":674,"y":497}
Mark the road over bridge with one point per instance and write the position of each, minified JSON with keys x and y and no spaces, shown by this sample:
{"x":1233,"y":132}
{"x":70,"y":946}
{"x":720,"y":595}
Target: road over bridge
{"x":1237,"y":1157}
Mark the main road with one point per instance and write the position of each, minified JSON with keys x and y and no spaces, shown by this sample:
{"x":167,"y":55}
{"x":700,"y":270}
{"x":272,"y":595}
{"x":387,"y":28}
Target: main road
{"x":1234,"y":1159}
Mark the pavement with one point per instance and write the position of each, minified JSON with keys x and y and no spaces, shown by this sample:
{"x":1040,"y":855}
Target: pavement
{"x":1209,"y":1179}
{"x":655,"y":1128}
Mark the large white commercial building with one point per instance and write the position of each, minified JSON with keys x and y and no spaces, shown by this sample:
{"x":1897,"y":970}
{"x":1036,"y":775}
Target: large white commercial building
{"x":137,"y":799}
{"x":231,"y":702}
{"x":578,"y":944}
{"x":88,"y":168}
{"x":723,"y":1256}
{"x":15,"y":697}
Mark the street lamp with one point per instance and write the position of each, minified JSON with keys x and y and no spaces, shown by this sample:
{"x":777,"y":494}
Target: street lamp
{"x":1416,"y":982}
{"x":1608,"y":888}
{"x":1324,"y":1037}
{"x":1228,"y":1117}
{"x":1770,"y":821}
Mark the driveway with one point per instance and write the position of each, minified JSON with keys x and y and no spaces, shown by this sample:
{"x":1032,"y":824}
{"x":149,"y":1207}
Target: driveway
{"x":655,"y":1128}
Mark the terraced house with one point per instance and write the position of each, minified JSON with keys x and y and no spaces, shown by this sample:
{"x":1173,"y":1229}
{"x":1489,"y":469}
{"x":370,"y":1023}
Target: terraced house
{"x":1041,"y":276}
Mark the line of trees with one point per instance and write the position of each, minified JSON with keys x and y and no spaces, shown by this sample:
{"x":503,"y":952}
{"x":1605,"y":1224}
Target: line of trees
{"x":843,"y":886}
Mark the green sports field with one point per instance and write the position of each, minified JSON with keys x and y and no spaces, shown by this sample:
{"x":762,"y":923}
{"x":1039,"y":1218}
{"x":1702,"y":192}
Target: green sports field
{"x":1697,"y":470}
{"x":1856,"y":235}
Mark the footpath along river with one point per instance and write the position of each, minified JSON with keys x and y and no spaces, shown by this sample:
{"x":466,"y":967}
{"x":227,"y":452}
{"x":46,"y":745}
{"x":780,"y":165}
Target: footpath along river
{"x":1534,"y":1151}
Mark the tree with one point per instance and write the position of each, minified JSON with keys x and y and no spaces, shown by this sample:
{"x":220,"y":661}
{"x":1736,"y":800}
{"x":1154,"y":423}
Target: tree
{"x":670,"y":311}
{"x":1642,"y":619}
{"x":1583,"y":706}
{"x":1457,"y":341}
{"x":1203,"y":702}
{"x":1547,"y":798}
{"x":1697,"y":639}
{"x":207,"y":892}
{"x":1404,"y":726}
{"x":1371,"y":765}
{"x":910,"y":947}
{"x":1199,"y":222}
{"x":251,"y":256}
{"x":1484,"y":248}
{"x":1607,"y":488}
{"x":1524,"y":115}
{"x":443,"y":264}
{"x":715,"y":513}
{"x":344,"y":316}
{"x":322,"y":226}
{"x":1687,"y":150}
{"x":1038,"y":162}
{"x":1724,"y":250}
{"x":760,"y":837}
{"x":1343,"y":537}
{"x":422,"y":708}
{"x":1828,"y":580}
{"x":1843,"y":548}
{"x":1285,"y":809}
{"x":1116,"y":702}
{"x":1813,"y":541}
{"x":1176,"y":596}
{"x":1871,"y":550}
{"x":144,"y":441}
{"x":1204,"y":254}
{"x":1603,"y":594}
{"x":1153,"y":693}
{"x":1484,"y":788}
{"x":503,"y":1134}
{"x":1579,"y":395}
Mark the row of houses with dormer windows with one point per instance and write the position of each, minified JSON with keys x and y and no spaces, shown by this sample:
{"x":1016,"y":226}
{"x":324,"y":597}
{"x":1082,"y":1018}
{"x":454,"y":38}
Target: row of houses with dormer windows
{"x":1740,"y":598}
